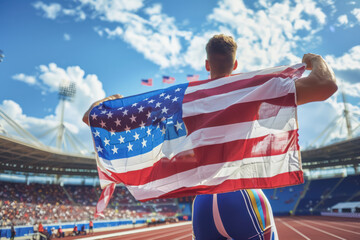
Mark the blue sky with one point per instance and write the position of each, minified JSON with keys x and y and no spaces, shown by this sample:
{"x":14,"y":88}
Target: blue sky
{"x":108,"y":46}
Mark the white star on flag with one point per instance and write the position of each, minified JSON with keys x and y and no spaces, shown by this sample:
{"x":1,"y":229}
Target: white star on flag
{"x":102,"y":124}
{"x":130,"y":147}
{"x":158,"y":104}
{"x":125,"y":112}
{"x":117,"y":122}
{"x":121,"y":139}
{"x":167,"y":97}
{"x":94,"y":116}
{"x":109,"y":115}
{"x":96,"y":134}
{"x":178,"y":126}
{"x":148,"y":115}
{"x":177,"y":90}
{"x":161,"y":95}
{"x":142,"y":125}
{"x":163,"y":130}
{"x":106,"y":141}
{"x":134,"y":105}
{"x":175,"y":99}
{"x":151,"y":101}
{"x":127,"y":129}
{"x":136,"y":136}
{"x":141,"y":109}
{"x":148,"y":132}
{"x":133,"y":118}
{"x":99,"y":148}
{"x":114,"y":149}
{"x":164,"y":110}
{"x":112,"y":132}
{"x":143,"y":143}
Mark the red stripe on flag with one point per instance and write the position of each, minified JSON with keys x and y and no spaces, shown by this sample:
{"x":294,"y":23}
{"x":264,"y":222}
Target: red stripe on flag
{"x":212,"y":154}
{"x":104,"y":199}
{"x":280,"y":180}
{"x":241,"y":112}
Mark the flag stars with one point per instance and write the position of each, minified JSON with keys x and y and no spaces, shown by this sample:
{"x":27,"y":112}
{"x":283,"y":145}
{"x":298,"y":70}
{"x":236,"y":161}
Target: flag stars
{"x":120,"y":108}
{"x":121,"y":139}
{"x":148,"y":115}
{"x":136,"y":136}
{"x":103,"y":112}
{"x":161,"y":95}
{"x":163,"y":130}
{"x":117,"y":122}
{"x":106,"y":141}
{"x":151,"y":101}
{"x":102,"y":124}
{"x":127,"y":129}
{"x":142,"y":125}
{"x":125,"y":112}
{"x":114,"y":149}
{"x":96,"y":134}
{"x":109,"y":115}
{"x":141,"y":109}
{"x":143,"y":143}
{"x":158,"y":104}
{"x":148,"y":132}
{"x":168,"y":96}
{"x":164,"y":110}
{"x":112,"y":132}
{"x":177,"y":90}
{"x":178,"y":125}
{"x":130,"y":147}
{"x":133,"y":118}
{"x":99,"y":149}
{"x":175,"y":99}
{"x":134,"y":105}
{"x":94,"y":116}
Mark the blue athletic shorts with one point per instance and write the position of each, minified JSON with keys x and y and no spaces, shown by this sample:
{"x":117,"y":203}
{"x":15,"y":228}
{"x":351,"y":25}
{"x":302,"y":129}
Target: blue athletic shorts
{"x":244,"y":214}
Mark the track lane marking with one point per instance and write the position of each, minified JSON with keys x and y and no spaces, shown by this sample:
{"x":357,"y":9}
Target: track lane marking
{"x":333,"y":227}
{"x":147,"y":235}
{"x":169,"y":234}
{"x":183,"y":237}
{"x":294,"y":229}
{"x":134,"y":231}
{"x":307,"y":225}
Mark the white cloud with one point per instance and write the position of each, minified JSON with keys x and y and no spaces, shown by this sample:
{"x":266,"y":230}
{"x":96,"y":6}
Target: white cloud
{"x":342,"y":20}
{"x":31,"y":80}
{"x":50,"y":11}
{"x":89,"y":89}
{"x":348,"y":61}
{"x":67,"y":37}
{"x":356,"y":13}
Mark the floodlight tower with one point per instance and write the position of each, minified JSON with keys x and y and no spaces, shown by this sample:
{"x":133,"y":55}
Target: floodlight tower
{"x":67,"y":91}
{"x":347,"y":117}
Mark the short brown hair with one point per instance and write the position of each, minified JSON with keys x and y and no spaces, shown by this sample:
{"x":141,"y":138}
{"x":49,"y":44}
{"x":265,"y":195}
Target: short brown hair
{"x":221,"y":51}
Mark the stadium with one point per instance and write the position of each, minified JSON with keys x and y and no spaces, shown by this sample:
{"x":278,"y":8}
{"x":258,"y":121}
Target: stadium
{"x":60,"y":179}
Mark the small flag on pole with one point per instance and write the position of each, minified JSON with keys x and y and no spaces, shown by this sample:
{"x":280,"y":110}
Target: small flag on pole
{"x":147,"y":82}
{"x":167,"y":79}
{"x":192,"y":78}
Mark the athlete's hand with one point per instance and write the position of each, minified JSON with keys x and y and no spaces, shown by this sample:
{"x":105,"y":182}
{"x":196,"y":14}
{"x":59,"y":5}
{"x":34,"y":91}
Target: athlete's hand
{"x":86,"y":115}
{"x":311,"y":60}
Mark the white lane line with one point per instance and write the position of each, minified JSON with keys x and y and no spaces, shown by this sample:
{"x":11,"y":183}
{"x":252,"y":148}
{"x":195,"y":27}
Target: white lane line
{"x":331,"y":226}
{"x":170,"y":234}
{"x":345,"y":224}
{"x":183,"y":237}
{"x":135,"y":231}
{"x":294,"y":229}
{"x":317,"y":229}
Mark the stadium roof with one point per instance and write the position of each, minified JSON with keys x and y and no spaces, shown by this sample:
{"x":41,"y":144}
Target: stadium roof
{"x":22,"y":157}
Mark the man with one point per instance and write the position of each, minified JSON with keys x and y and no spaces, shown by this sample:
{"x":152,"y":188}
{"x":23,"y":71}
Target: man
{"x":246,"y":214}
{"x":13,"y":232}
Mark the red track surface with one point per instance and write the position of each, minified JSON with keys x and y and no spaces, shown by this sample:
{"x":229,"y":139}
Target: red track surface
{"x":289,"y":228}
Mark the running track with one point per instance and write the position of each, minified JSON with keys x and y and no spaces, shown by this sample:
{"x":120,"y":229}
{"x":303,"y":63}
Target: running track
{"x":293,"y":228}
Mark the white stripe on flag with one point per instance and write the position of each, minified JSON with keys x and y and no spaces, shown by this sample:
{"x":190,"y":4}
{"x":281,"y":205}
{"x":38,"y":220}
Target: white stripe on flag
{"x":215,"y":174}
{"x":269,"y":90}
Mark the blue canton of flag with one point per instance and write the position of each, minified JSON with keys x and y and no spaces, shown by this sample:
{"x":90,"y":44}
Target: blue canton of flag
{"x":136,"y":125}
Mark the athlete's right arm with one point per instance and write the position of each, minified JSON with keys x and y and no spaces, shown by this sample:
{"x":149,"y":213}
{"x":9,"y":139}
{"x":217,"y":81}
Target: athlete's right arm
{"x":86,"y":115}
{"x":319,"y":85}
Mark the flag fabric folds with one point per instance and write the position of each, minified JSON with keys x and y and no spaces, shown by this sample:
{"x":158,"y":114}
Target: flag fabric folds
{"x":147,"y":82}
{"x":167,"y":79}
{"x":203,"y":137}
{"x":192,"y":78}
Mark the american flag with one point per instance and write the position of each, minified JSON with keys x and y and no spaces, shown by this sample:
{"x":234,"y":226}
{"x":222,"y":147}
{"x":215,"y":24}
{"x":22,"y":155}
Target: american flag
{"x":147,"y":82}
{"x":167,"y":79}
{"x":203,"y":137}
{"x":192,"y":78}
